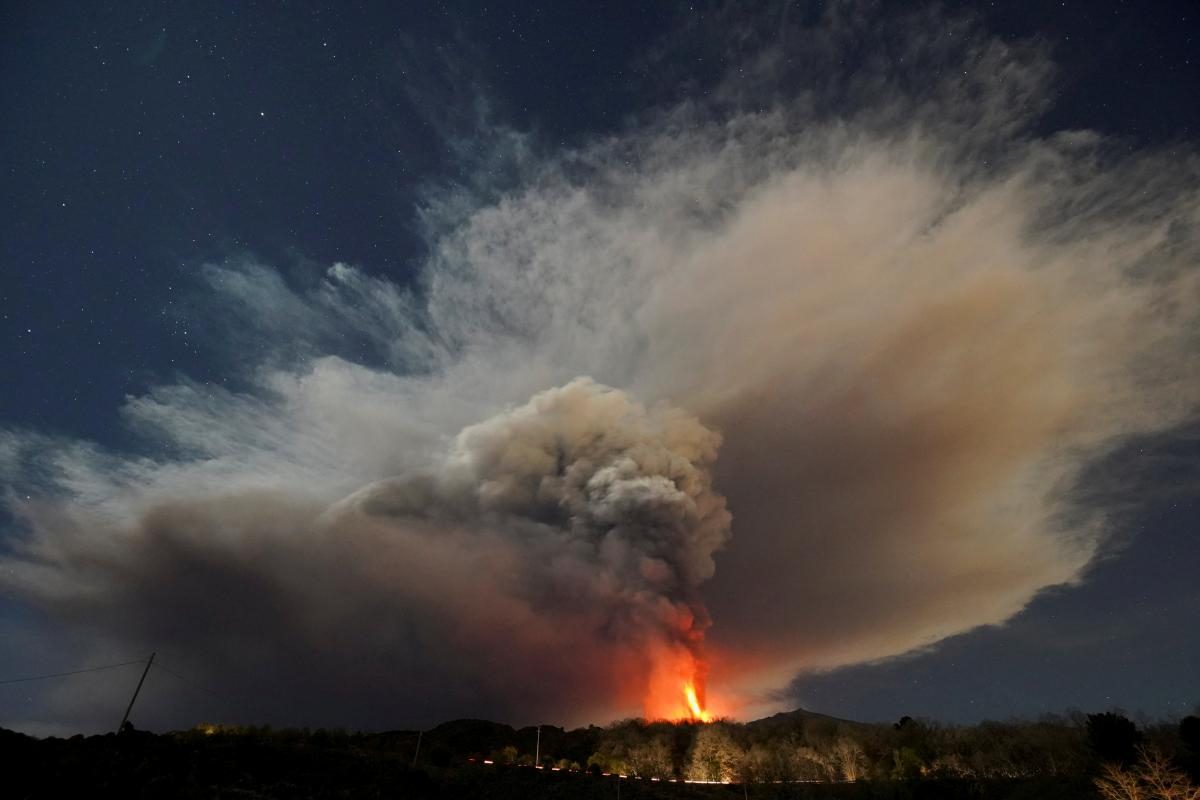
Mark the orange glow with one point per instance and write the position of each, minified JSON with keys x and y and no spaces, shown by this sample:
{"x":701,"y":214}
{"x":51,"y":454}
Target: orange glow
{"x":698,"y":713}
{"x":675,"y":689}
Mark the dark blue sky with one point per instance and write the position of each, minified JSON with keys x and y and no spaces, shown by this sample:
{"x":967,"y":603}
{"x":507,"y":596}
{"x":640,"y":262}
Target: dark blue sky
{"x":142,"y":140}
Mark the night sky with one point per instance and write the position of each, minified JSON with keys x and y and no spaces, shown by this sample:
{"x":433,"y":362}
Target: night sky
{"x":179,"y":180}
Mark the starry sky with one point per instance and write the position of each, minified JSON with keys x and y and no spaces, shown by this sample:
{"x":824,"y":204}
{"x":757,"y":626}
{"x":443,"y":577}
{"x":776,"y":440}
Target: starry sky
{"x":144,"y":143}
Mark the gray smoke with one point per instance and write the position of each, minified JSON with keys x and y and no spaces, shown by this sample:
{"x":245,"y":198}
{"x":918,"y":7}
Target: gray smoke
{"x":548,"y":561}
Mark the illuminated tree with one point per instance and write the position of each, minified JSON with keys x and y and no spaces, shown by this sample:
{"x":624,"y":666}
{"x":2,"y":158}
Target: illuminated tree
{"x":765,"y":762}
{"x":814,"y":764}
{"x":651,"y":758}
{"x":1152,"y":778}
{"x":849,"y":759}
{"x":715,"y":755}
{"x":633,"y":747}
{"x":907,"y":764}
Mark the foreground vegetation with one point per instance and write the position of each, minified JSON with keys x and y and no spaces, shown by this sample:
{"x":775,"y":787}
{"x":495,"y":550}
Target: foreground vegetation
{"x":796,"y":755}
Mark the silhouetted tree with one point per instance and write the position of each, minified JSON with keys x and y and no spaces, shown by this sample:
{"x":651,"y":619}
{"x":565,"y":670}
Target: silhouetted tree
{"x":1189,"y":737}
{"x":1113,"y":738}
{"x":440,"y":755}
{"x":1189,"y":733}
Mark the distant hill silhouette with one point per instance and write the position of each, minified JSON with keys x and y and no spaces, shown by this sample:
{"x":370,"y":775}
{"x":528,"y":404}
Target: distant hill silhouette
{"x":799,"y":719}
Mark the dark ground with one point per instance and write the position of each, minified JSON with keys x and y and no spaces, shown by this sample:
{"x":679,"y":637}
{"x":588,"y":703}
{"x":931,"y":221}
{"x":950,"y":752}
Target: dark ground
{"x":324,"y":764}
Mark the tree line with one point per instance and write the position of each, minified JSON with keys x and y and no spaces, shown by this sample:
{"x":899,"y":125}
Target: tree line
{"x":798,"y":754}
{"x":802,"y":747}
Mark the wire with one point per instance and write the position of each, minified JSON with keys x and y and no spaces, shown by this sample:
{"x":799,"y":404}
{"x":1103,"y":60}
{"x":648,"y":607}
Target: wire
{"x":72,"y":672}
{"x":157,"y":665}
{"x":190,"y":682}
{"x":225,"y":697}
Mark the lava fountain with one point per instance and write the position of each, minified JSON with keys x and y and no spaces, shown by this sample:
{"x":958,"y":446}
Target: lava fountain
{"x":676,"y":687}
{"x":697,"y":711}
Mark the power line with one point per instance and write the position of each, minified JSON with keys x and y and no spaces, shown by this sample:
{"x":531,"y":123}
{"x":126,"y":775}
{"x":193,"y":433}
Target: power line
{"x":224,"y":697}
{"x":72,"y":672}
{"x":190,"y":682}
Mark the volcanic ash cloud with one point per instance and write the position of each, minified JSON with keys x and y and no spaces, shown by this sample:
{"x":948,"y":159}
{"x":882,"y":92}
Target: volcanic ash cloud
{"x":609,"y":519}
{"x":549,"y":561}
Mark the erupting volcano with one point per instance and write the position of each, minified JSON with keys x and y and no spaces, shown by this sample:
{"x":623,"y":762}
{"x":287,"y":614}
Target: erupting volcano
{"x":676,"y":689}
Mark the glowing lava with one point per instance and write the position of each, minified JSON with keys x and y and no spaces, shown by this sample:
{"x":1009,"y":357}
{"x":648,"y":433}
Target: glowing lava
{"x":698,"y":713}
{"x":676,"y":687}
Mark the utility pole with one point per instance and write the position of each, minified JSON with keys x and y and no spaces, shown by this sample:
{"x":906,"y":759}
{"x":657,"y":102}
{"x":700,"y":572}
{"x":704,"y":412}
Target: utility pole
{"x":418,"y":750}
{"x":537,"y":751}
{"x":129,"y":708}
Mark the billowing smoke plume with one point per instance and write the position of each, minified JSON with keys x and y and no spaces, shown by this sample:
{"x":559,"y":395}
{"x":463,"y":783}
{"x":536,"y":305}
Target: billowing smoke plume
{"x":604,"y":514}
{"x":576,"y":528}
{"x":913,"y":325}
